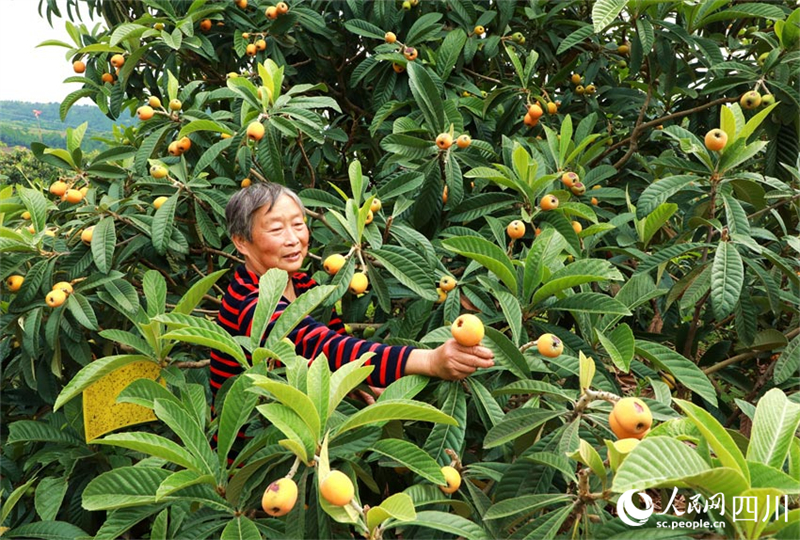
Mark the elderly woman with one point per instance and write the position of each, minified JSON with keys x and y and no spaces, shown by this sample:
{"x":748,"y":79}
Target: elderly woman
{"x":267,"y":226}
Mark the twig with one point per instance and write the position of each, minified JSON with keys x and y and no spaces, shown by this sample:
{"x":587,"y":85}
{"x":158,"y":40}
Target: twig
{"x":480,"y":75}
{"x":687,"y":348}
{"x":742,"y":356}
{"x":657,"y":121}
{"x":308,"y":162}
{"x":773,"y":206}
{"x":637,"y":129}
{"x":192,"y":365}
{"x":206,"y":249}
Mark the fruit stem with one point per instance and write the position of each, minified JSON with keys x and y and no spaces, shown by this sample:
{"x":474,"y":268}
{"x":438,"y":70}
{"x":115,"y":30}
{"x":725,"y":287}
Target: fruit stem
{"x":590,"y":395}
{"x":293,"y":470}
{"x":456,"y":461}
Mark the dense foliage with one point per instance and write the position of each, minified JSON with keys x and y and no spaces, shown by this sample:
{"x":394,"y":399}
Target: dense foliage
{"x":670,"y":272}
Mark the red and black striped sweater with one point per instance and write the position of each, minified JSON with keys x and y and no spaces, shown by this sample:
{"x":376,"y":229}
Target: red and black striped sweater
{"x":310,"y":337}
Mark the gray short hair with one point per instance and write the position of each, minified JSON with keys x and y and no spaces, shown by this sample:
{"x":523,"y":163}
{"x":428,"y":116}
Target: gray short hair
{"x":244,"y":203}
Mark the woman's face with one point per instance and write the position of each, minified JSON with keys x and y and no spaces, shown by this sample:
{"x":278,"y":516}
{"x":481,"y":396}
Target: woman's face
{"x":279,"y":238}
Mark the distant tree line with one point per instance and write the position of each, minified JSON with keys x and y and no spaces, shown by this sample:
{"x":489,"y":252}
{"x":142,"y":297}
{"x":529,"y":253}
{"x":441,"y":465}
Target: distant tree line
{"x":19,"y":125}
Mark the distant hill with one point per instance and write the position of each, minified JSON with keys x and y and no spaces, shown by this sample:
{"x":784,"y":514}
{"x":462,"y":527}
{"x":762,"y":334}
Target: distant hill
{"x":19,"y":125}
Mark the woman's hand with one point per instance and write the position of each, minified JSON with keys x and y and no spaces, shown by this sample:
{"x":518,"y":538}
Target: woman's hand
{"x":450,"y":361}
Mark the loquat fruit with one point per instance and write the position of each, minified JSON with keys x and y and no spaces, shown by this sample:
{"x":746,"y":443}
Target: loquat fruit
{"x":370,"y":217}
{"x":375,"y":205}
{"x":154,"y":102}
{"x":535,"y":111}
{"x":58,"y":188}
{"x":174,"y":149}
{"x":205,"y":25}
{"x":552,"y":108}
{"x":255,"y":131}
{"x":282,"y":7}
{"x":516,"y":229}
{"x":479,"y":30}
{"x":55,"y":298}
{"x":14,"y":283}
{"x":444,"y":141}
{"x":65,"y":286}
{"x":175,"y":105}
{"x":117,"y":60}
{"x":25,"y":215}
{"x":750,"y":100}
{"x":463,"y":141}
{"x":333,"y":263}
{"x":86,"y":234}
{"x":280,"y":497}
{"x":271,"y":13}
{"x":549,"y":345}
{"x":145,"y":112}
{"x":389,"y":37}
{"x":337,"y":488}
{"x":159,"y":201}
{"x":359,"y":283}
{"x":245,"y":182}
{"x":578,"y":188}
{"x":447,"y":284}
{"x":410,"y":53}
{"x":716,"y":139}
{"x":157,"y":171}
{"x":107,"y":78}
{"x":569,"y":179}
{"x":577,"y":227}
{"x":630,"y":418}
{"x":453,"y":479}
{"x":442,"y":295}
{"x":73,"y":196}
{"x":549,"y":202}
{"x":467,"y":330}
{"x":78,"y":66}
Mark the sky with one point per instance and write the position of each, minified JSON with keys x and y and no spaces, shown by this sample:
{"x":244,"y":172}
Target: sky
{"x":28,"y":73}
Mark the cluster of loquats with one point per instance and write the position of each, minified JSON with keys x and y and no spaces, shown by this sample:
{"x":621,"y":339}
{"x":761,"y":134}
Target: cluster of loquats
{"x":445,"y":140}
{"x":273,"y":12}
{"x":67,"y":192}
{"x":446,"y":284}
{"x":58,"y":295}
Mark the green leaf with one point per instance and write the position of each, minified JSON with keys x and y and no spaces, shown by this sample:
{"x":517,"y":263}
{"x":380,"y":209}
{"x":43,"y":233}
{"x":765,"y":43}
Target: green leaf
{"x":717,"y":438}
{"x":49,"y":496}
{"x":395,"y":409}
{"x":193,"y":436}
{"x":575,"y":37}
{"x":658,"y":461}
{"x":203,"y":125}
{"x":215,"y":338}
{"x":531,"y":386}
{"x":727,"y":279}
{"x":556,"y":461}
{"x":47,"y":530}
{"x":619,"y":346}
{"x":12,"y":499}
{"x":270,"y":289}
{"x":591,"y":302}
{"x":104,"y":240}
{"x":449,"y":523}
{"x":300,"y":441}
{"x":240,"y":528}
{"x":296,"y":312}
{"x":773,"y":429}
{"x":506,"y":353}
{"x":346,"y":378}
{"x":155,"y":291}
{"x":123,"y":487}
{"x":194,"y":295}
{"x":656,"y":219}
{"x":444,"y":436}
{"x":449,"y":52}
{"x":517,"y":423}
{"x":587,"y":455}
{"x":93,"y":372}
{"x":678,"y":365}
{"x":36,"y":204}
{"x":82,"y":310}
{"x":364,"y":28}
{"x":237,"y":408}
{"x":658,"y":192}
{"x":604,"y":12}
{"x":486,"y":253}
{"x":154,"y":445}
{"x":667,"y":254}
{"x":586,"y":371}
{"x":161,"y":228}
{"x":292,"y":398}
{"x":576,"y":273}
{"x":427,"y":96}
{"x":411,"y":456}
{"x":788,"y":362}
{"x":398,"y":506}
{"x":399,"y":261}
{"x":182,"y":480}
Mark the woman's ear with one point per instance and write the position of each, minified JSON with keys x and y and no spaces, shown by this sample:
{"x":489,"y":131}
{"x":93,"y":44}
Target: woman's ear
{"x":242,"y":245}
